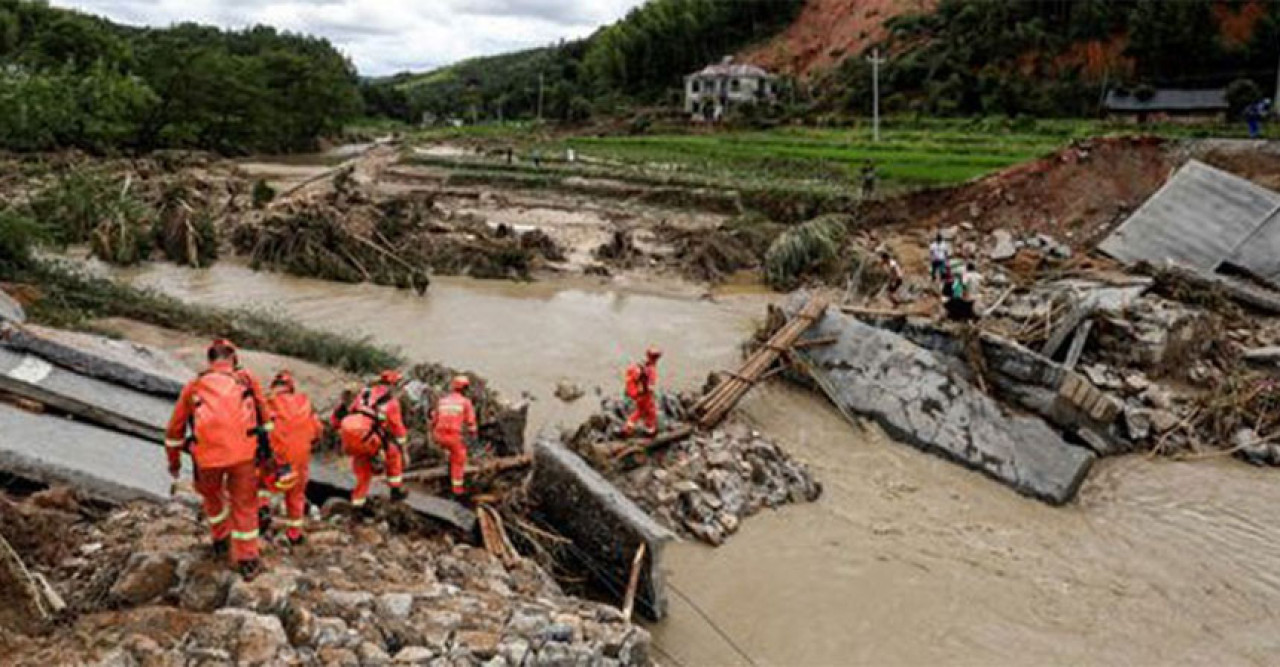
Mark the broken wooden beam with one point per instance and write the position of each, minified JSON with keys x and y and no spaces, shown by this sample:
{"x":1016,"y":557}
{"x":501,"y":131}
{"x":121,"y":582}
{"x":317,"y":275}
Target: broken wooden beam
{"x":490,"y":467}
{"x":621,"y":450}
{"x":1077,"y":345}
{"x":717,"y":403}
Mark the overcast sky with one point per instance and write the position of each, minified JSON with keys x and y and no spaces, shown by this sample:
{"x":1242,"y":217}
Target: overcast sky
{"x":387,"y":36}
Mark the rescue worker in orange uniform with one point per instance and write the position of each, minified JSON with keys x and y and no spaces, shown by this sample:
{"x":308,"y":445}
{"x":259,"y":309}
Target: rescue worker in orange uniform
{"x":297,"y":428}
{"x":373,"y":433}
{"x":642,"y":384}
{"x":222,"y":412}
{"x":453,"y":424}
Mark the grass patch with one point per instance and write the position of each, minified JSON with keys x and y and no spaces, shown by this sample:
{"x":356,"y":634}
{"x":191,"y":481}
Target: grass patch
{"x":808,"y":250}
{"x":72,"y":298}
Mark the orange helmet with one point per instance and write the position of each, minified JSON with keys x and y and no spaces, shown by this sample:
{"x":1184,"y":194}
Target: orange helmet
{"x":654,"y":352}
{"x":284,"y":379}
{"x":460,"y":383}
{"x":223,"y":348}
{"x":390,"y":377}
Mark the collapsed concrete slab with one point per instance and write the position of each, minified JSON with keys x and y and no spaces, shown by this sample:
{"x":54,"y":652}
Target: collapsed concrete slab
{"x":108,"y":405}
{"x":606,"y":527}
{"x":100,"y":463}
{"x":137,"y":366}
{"x":917,"y":398}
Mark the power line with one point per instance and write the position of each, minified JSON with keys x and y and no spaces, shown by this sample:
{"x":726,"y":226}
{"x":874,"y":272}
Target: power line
{"x":705,"y":617}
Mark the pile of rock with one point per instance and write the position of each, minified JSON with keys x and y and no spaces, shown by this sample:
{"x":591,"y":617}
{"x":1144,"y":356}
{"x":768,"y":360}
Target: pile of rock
{"x":704,"y":485}
{"x":355,"y":594}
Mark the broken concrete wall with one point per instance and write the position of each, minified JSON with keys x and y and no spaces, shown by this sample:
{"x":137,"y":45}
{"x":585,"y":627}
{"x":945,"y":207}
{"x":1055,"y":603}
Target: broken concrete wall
{"x":605,"y":526}
{"x":918,"y":399}
{"x":138,"y":366}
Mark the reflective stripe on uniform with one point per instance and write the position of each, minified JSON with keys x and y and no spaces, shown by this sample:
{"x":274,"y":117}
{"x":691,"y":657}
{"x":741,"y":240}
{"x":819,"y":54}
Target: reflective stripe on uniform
{"x":263,"y":493}
{"x":222,"y":516}
{"x":245,"y":536}
{"x":402,"y":441}
{"x":395,"y":481}
{"x":173,"y":444}
{"x":292,"y":523}
{"x":358,"y":502}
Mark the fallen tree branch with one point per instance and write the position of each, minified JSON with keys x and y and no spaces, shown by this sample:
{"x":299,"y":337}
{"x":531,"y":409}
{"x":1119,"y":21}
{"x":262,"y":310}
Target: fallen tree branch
{"x":491,"y":467}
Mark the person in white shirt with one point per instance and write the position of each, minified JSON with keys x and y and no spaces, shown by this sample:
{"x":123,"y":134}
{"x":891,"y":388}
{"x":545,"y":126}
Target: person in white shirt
{"x":939,"y":255}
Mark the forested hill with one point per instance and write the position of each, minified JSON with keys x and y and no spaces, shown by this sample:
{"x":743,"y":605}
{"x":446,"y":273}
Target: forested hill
{"x":1055,"y":57}
{"x":74,"y":80}
{"x":639,"y":59}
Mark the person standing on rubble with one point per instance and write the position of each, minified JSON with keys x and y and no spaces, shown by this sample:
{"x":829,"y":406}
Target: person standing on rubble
{"x":453,"y":426}
{"x":297,"y":428}
{"x":219,"y":418}
{"x":939,"y":256}
{"x":970,"y":292}
{"x":642,"y":387}
{"x":894,"y":271}
{"x":374,"y":436}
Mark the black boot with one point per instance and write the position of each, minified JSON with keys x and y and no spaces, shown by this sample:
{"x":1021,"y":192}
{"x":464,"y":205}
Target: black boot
{"x":264,"y":520}
{"x":250,"y":569}
{"x":298,"y":541}
{"x":399,"y":495}
{"x":221,"y":548}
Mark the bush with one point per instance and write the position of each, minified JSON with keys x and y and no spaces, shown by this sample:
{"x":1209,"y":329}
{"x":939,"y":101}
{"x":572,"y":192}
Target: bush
{"x":810,"y":250}
{"x":86,"y":207}
{"x":263,"y":194}
{"x":1240,"y":94}
{"x":19,"y":234}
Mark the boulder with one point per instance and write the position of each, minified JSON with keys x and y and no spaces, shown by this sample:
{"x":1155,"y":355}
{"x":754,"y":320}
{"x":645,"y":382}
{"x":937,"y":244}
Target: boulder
{"x":1005,"y":247}
{"x":919,"y":400}
{"x":414,"y":655}
{"x":395,"y":605}
{"x":11,"y":310}
{"x":261,"y":639}
{"x":146,"y":577}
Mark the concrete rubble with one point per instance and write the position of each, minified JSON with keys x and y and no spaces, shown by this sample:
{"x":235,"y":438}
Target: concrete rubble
{"x":145,"y":590}
{"x":703,"y":486}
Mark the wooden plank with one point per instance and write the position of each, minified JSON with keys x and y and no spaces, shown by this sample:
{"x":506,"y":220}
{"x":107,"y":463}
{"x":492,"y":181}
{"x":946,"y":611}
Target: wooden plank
{"x":491,"y":467}
{"x":622,"y":450}
{"x":629,"y":602}
{"x":1077,"y":345}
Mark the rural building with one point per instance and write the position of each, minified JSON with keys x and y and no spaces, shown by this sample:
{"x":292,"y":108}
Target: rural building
{"x":710,"y":93}
{"x":1167,"y":105}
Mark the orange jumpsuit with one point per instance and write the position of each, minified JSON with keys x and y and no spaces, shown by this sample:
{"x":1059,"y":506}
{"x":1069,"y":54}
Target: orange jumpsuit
{"x":221,"y":408}
{"x":453,"y":421}
{"x":642,"y":379}
{"x":373,"y":419}
{"x":296,"y":429}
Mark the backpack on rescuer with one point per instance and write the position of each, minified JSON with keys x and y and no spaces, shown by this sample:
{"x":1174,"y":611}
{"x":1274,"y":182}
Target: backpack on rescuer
{"x":223,"y":412}
{"x":376,"y":437}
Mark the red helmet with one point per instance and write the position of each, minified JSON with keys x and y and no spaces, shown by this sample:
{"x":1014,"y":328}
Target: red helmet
{"x":223,"y":343}
{"x":460,"y":383}
{"x":284,"y":380}
{"x":654,"y":352}
{"x":390,"y":377}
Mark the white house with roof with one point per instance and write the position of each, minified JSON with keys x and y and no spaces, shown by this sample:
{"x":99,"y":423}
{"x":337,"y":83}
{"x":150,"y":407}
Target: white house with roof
{"x":710,"y":93}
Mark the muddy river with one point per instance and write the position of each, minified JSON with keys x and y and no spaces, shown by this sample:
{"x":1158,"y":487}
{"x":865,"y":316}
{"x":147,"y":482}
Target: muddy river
{"x":906,"y":560}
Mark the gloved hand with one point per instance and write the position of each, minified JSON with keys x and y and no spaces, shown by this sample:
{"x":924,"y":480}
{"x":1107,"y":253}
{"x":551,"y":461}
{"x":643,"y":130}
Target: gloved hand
{"x":264,"y":453}
{"x":286,"y":478}
{"x":175,"y":462}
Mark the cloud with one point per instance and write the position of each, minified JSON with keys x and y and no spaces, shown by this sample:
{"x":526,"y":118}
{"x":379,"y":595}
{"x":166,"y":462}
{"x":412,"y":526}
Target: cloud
{"x":387,"y":36}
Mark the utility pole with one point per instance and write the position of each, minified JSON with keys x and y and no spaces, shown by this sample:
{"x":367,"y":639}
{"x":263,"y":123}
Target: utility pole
{"x":876,"y":62}
{"x":540,"y":84}
{"x":1276,"y":105}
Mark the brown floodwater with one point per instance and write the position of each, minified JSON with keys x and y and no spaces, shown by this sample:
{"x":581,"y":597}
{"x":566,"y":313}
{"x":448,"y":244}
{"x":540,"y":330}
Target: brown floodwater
{"x":907,"y":559}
